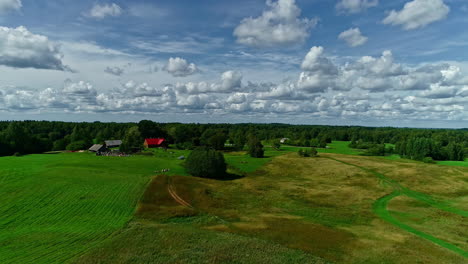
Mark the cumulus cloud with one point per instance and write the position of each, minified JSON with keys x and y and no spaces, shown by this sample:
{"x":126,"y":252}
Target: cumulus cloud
{"x":355,"y":6}
{"x":231,"y":80}
{"x":117,"y":71}
{"x":418,"y":14}
{"x":315,"y":61}
{"x":9,"y":5}
{"x":318,"y":71}
{"x":366,"y":88}
{"x":179,"y":67}
{"x":19,"y":48}
{"x":353,"y":37}
{"x":101,"y":11}
{"x":280,"y":25}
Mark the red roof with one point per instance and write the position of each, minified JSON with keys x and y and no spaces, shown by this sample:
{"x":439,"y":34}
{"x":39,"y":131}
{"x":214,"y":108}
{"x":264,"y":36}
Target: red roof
{"x":154,"y":141}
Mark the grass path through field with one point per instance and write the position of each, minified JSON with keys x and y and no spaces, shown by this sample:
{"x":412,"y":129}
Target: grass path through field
{"x":380,"y":207}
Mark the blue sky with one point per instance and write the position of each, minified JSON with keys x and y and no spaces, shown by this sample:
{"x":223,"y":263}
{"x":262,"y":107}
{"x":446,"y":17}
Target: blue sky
{"x":350,"y":62}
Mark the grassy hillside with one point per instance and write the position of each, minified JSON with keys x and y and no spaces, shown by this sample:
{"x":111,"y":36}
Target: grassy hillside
{"x":300,"y":210}
{"x":286,"y":209}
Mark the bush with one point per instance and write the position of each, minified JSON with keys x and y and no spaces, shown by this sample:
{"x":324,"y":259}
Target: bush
{"x":77,"y":145}
{"x":206,"y":163}
{"x":428,"y":160}
{"x":313,"y":152}
{"x":304,"y":153}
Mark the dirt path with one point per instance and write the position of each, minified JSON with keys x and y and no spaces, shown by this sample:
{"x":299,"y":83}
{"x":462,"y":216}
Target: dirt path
{"x":177,"y":198}
{"x":380,"y":207}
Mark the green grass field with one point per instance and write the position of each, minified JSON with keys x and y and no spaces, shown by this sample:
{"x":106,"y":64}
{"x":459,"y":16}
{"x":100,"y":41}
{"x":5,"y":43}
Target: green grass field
{"x":340,"y":208}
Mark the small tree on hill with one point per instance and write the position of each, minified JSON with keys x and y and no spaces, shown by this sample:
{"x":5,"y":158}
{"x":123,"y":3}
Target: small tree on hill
{"x":206,"y":163}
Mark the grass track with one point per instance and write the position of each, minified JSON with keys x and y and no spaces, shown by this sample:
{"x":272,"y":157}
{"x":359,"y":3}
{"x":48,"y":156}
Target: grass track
{"x":380,"y":208}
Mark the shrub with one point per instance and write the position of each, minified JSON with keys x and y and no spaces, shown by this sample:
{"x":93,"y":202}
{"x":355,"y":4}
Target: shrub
{"x":206,"y":163}
{"x":77,"y":145}
{"x":313,"y":152}
{"x":304,"y":153}
{"x":428,"y":160}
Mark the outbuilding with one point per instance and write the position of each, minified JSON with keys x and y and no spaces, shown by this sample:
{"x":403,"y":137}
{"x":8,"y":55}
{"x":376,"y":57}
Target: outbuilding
{"x":113,"y":143}
{"x":97,"y":148}
{"x":155,"y":143}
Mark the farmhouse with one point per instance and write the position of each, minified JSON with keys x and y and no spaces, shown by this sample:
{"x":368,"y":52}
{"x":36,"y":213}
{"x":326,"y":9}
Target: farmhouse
{"x":155,"y":143}
{"x":97,"y":148}
{"x":113,"y":143}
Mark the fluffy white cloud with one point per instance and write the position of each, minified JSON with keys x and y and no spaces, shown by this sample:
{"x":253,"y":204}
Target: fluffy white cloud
{"x":20,"y":48}
{"x":231,"y":80}
{"x":179,"y":67}
{"x":418,"y":13}
{"x":353,"y":37}
{"x":8,"y":5}
{"x":355,"y":6}
{"x":280,"y":25}
{"x":315,"y":61}
{"x":382,"y":67}
{"x":101,"y":11}
{"x":370,"y":88}
{"x":319,"y":72}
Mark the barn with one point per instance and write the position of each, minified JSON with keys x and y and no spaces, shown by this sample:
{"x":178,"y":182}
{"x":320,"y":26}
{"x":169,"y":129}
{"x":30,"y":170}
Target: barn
{"x":113,"y":143}
{"x":97,"y":148}
{"x":155,"y":143}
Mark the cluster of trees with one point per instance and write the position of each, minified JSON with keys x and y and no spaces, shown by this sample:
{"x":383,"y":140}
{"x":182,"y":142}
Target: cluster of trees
{"x":419,"y":148}
{"x":39,"y":136}
{"x":372,"y":149}
{"x":206,"y":163}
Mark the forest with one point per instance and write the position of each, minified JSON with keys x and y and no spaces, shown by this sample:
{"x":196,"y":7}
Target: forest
{"x":27,"y":137}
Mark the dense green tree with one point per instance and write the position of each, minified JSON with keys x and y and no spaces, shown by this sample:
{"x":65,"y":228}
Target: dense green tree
{"x":132,"y":140}
{"x":150,"y":129}
{"x":207,"y":163}
{"x":238,"y":139}
{"x":255,"y":147}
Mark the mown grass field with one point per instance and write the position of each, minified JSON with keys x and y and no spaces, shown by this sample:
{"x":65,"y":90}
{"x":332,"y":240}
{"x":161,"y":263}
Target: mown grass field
{"x":80,"y":208}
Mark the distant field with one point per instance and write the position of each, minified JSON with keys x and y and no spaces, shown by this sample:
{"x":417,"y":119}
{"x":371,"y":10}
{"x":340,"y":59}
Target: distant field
{"x":340,"y":147}
{"x":454,"y":163}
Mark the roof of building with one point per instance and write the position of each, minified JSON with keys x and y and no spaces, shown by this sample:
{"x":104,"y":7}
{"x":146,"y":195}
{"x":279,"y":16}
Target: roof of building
{"x":113,"y":142}
{"x":155,"y":141}
{"x":96,"y":147}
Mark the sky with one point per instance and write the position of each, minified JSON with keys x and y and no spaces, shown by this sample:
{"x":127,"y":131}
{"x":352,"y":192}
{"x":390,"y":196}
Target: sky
{"x":333,"y":62}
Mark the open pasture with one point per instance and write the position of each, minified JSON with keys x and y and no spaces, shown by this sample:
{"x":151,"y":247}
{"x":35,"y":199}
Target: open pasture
{"x":55,"y":207}
{"x":320,"y":209}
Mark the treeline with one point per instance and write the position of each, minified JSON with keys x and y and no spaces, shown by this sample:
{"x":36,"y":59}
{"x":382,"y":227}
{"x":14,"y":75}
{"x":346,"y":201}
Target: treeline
{"x":27,"y":137}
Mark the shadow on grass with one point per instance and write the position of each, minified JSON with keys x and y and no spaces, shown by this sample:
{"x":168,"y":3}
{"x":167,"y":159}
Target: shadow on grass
{"x":231,"y":177}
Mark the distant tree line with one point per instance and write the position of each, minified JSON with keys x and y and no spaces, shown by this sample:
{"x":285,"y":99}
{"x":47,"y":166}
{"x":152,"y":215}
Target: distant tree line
{"x":25,"y":137}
